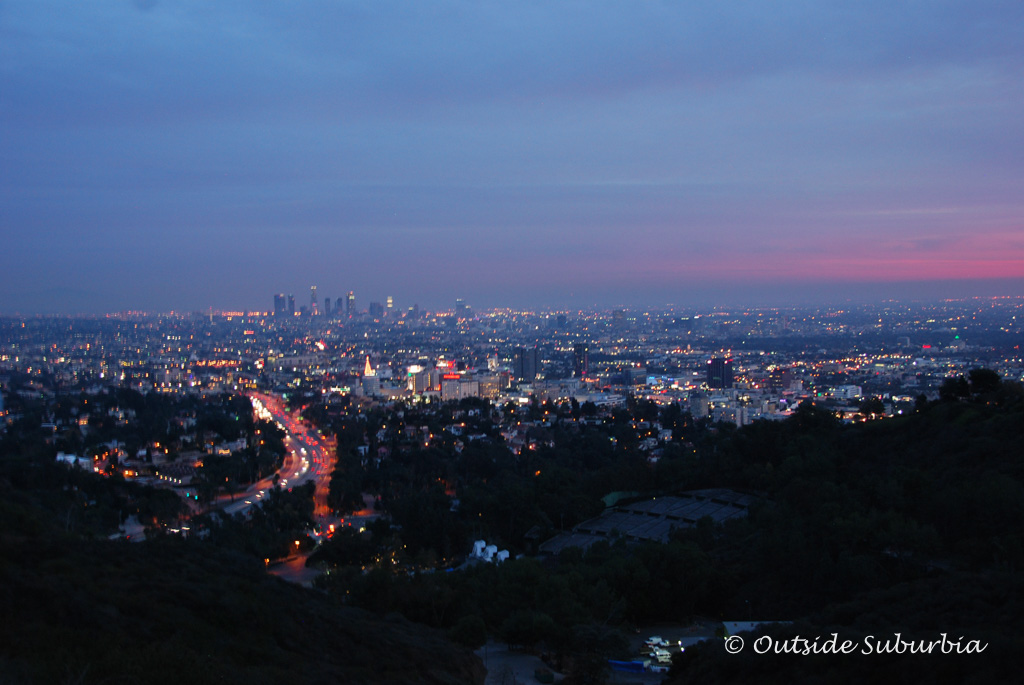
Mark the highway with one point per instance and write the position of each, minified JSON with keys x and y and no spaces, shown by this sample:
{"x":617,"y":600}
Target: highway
{"x":310,"y":457}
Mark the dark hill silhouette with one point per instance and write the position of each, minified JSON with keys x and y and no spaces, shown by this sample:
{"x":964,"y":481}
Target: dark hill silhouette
{"x":86,"y":611}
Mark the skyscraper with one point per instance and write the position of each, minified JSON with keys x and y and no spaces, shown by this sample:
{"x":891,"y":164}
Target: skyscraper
{"x":314,"y":310}
{"x":291,"y":305}
{"x":527,"y":363}
{"x":580,"y":360}
{"x":350,"y":304}
{"x":279,"y":302}
{"x":719,"y":373}
{"x":327,"y":306}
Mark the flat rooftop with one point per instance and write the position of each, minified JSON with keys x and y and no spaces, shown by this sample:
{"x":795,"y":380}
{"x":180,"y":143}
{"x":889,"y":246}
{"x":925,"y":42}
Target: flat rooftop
{"x":653,"y":519}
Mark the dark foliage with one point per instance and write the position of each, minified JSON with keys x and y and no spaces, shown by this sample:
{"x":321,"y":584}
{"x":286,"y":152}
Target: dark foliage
{"x":80,"y":611}
{"x":911,"y":524}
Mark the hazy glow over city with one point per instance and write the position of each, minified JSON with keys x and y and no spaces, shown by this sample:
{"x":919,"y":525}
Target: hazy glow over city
{"x":181,"y":155}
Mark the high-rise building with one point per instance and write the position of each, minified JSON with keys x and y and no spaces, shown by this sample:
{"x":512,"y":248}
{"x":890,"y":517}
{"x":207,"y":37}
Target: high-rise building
{"x":279,"y":303}
{"x":370,"y":381}
{"x":719,"y":373}
{"x":779,"y":378}
{"x":489,"y":386}
{"x":456,"y":387}
{"x":314,"y":310}
{"x":327,"y":306}
{"x":291,"y":305}
{"x":421,"y":380}
{"x":634,"y":375}
{"x":390,"y":304}
{"x":580,"y":360}
{"x":462,"y":311}
{"x":350,"y":304}
{"x":527,"y":363}
{"x":376,"y":310}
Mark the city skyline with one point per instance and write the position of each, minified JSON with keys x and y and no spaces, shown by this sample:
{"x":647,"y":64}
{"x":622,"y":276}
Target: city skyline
{"x":778,"y":297}
{"x":165,"y":156}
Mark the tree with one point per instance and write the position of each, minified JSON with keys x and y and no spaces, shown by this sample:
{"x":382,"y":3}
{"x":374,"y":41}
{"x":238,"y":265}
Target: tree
{"x":872,"y":406}
{"x":525,"y":628}
{"x":808,"y":418}
{"x":469,"y":631}
{"x":954,"y":388}
{"x":984,"y":380}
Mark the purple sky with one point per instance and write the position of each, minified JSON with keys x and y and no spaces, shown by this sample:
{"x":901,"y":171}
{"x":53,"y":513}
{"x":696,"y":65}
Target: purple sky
{"x":179,"y":155}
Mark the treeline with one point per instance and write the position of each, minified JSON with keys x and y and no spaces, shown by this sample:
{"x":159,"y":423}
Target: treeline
{"x":442,"y":496}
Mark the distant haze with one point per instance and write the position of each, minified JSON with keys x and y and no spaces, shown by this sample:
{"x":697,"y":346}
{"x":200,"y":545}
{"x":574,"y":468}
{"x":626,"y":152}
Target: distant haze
{"x":160,"y":155}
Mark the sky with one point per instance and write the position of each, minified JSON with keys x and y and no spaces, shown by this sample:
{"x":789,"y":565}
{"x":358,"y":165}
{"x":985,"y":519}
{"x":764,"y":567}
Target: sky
{"x":159,"y":155}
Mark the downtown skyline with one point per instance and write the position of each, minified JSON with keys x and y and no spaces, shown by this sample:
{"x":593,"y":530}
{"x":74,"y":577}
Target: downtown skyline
{"x":170,"y":156}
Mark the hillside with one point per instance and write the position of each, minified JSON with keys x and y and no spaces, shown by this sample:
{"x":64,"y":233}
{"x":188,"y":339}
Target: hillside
{"x":903,"y":529}
{"x":86,"y":611}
